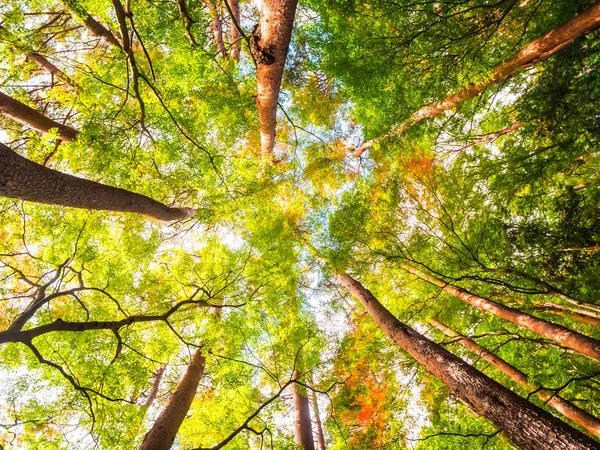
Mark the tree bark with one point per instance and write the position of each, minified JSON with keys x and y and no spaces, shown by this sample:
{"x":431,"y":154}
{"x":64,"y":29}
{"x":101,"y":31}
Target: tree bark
{"x":567,"y":409}
{"x":217,"y":28}
{"x":33,"y":118}
{"x":187,"y":21}
{"x":94,"y":27}
{"x":303,"y":424}
{"x":26,"y":180}
{"x":570,"y":313}
{"x":162,"y":434}
{"x":583,"y":344}
{"x":527,"y":425}
{"x":318,"y":424}
{"x":537,"y":50}
{"x":155,"y":386}
{"x":272,"y":40}
{"x":236,"y":45}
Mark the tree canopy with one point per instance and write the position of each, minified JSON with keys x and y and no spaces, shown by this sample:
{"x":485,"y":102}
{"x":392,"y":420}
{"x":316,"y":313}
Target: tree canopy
{"x":194,"y":195}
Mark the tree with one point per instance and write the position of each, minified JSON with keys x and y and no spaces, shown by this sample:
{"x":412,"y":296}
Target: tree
{"x":26,"y":180}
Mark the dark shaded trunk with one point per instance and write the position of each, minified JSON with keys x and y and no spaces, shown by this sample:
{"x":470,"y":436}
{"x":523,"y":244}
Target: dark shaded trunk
{"x":571,"y":339}
{"x":33,"y":118}
{"x":303,"y":424}
{"x":527,"y":425}
{"x":236,"y":45}
{"x":187,"y":21}
{"x":537,"y":50}
{"x":26,"y":180}
{"x":567,"y":409}
{"x":162,"y":434}
{"x":271,"y":41}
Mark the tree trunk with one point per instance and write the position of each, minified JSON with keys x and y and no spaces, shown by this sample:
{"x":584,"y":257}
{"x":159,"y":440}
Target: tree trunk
{"x":527,"y":425}
{"x":583,"y":344}
{"x":26,"y":180}
{"x":94,"y":27}
{"x":303,"y":425}
{"x":162,"y":434}
{"x":537,"y":50}
{"x":217,"y":28}
{"x":155,"y":386}
{"x":319,"y":425}
{"x":236,"y":45}
{"x":567,"y":409}
{"x":271,"y":39}
{"x":187,"y":21}
{"x":570,"y":313}
{"x":33,"y":118}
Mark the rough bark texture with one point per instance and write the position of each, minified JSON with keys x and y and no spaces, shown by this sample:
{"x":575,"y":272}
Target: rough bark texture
{"x":217,"y":28}
{"x":26,"y":180}
{"x":236,"y":45}
{"x":302,"y":425}
{"x":571,"y":339}
{"x":527,"y":425}
{"x":33,"y":118}
{"x":162,"y":434}
{"x":271,"y":39}
{"x":537,"y":50}
{"x":567,"y":409}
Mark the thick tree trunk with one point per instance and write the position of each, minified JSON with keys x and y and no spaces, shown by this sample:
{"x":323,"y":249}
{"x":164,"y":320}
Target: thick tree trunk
{"x":271,"y":39}
{"x":236,"y":45}
{"x":567,"y":409}
{"x":217,"y":28}
{"x":26,"y":180}
{"x":162,"y":434}
{"x":303,"y":425}
{"x":33,"y":118}
{"x":318,"y":424}
{"x":571,"y":339}
{"x":537,"y":50}
{"x":94,"y":27}
{"x":527,"y":425}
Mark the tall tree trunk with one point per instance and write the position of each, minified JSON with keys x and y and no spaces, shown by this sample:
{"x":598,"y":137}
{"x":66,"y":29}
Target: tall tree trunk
{"x":94,"y":27}
{"x":26,"y":180}
{"x":155,"y":386}
{"x":162,"y":434}
{"x":567,"y":409}
{"x":583,"y":344}
{"x":187,"y":21}
{"x":537,"y":50}
{"x":217,"y":28}
{"x":236,"y":45}
{"x":303,"y":424}
{"x":318,"y":423}
{"x":33,"y":118}
{"x":527,"y":425}
{"x":570,"y":313}
{"x":271,"y":39}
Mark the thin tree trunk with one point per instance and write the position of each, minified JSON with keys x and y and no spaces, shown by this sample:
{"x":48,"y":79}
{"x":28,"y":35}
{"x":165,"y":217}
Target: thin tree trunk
{"x":537,"y":50}
{"x":33,"y":118}
{"x":94,"y":27}
{"x":217,"y":28}
{"x":303,"y":424}
{"x":272,"y":40}
{"x":567,"y":409}
{"x":187,"y":21}
{"x":570,"y":313}
{"x":26,"y":180}
{"x":583,"y":344}
{"x":491,"y":136}
{"x":319,"y":425}
{"x":236,"y":45}
{"x":162,"y":434}
{"x":527,"y":425}
{"x":155,"y":386}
